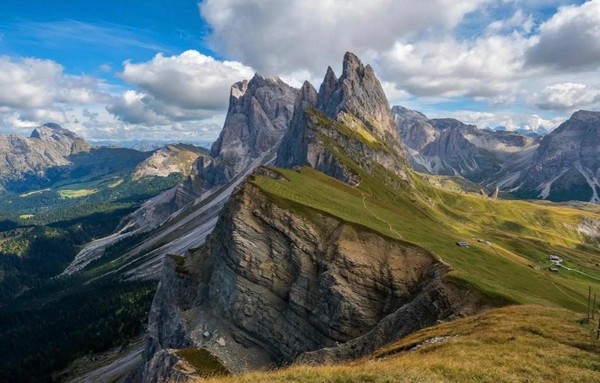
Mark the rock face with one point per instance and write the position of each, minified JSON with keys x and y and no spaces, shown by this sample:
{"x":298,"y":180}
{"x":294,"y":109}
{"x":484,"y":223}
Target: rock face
{"x":171,"y":159}
{"x":351,"y":115}
{"x":259,"y":114}
{"x":449,"y":147}
{"x":414,"y":128}
{"x":566,"y":165}
{"x":275,"y":285}
{"x":48,"y":146}
{"x":357,"y":92}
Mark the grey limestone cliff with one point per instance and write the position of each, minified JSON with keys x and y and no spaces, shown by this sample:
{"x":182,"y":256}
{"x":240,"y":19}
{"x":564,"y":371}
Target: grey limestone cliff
{"x":259,"y":114}
{"x":349,"y":114}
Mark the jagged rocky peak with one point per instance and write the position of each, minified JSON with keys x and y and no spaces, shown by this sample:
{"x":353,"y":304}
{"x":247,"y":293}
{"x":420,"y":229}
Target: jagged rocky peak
{"x":258,"y":115}
{"x":357,"y":92}
{"x":238,"y":90}
{"x":353,"y":114}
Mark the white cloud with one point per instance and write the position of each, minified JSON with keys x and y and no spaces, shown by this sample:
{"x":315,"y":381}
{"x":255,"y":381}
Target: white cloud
{"x":131,"y":108}
{"x":510,"y":120}
{"x":35,"y":83}
{"x":34,"y":91}
{"x":285,"y":36}
{"x":518,"y":22}
{"x":570,"y":39}
{"x":190,"y":80}
{"x":566,"y":96}
{"x":485,"y":67}
{"x":185,"y":87}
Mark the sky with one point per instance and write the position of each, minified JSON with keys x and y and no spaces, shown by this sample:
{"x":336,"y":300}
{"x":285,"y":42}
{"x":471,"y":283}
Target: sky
{"x":162,"y":70}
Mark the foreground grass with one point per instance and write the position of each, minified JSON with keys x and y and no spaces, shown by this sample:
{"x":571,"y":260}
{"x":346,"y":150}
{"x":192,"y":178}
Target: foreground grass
{"x":511,"y":344}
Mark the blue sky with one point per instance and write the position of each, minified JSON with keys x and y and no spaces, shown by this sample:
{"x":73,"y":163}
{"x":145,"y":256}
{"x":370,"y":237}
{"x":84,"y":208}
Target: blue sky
{"x":83,"y":35}
{"x":162,"y":70}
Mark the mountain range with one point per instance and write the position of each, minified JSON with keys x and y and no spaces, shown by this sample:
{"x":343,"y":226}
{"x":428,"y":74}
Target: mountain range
{"x":324,"y":225}
{"x":342,"y":248}
{"x":560,"y":166}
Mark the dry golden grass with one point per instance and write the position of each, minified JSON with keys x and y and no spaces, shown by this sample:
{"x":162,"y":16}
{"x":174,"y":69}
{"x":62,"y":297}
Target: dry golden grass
{"x":510,"y":344}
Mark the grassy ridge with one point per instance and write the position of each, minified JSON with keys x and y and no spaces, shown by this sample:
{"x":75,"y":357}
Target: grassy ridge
{"x":511,"y":344}
{"x":522,"y":234}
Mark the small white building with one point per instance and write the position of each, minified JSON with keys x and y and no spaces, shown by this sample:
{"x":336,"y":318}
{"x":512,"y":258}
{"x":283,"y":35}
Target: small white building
{"x":555,"y":259}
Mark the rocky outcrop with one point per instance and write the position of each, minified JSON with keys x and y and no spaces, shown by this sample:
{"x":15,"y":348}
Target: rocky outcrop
{"x":349,"y":115}
{"x":272,"y":284}
{"x":357,"y":92}
{"x":48,"y":146}
{"x":172,"y":159}
{"x":566,"y":166}
{"x":259,"y":114}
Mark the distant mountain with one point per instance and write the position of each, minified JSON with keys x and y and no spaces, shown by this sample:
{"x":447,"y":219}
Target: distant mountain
{"x":450,"y":147}
{"x":566,"y":166}
{"x":48,"y":146}
{"x":54,"y":168}
{"x":563,"y":165}
{"x":176,"y":158}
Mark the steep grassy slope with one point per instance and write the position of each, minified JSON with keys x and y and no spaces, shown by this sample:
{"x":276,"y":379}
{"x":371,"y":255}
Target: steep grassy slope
{"x":513,"y":267}
{"x":511,"y":344}
{"x":510,"y":240}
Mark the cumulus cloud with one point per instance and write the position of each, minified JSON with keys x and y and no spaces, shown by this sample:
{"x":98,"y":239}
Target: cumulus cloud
{"x":34,"y":91}
{"x":311,"y":34}
{"x":35,"y":83}
{"x":566,"y":96}
{"x":570,"y":39}
{"x":190,"y":80}
{"x":485,"y":67}
{"x":185,"y":87}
